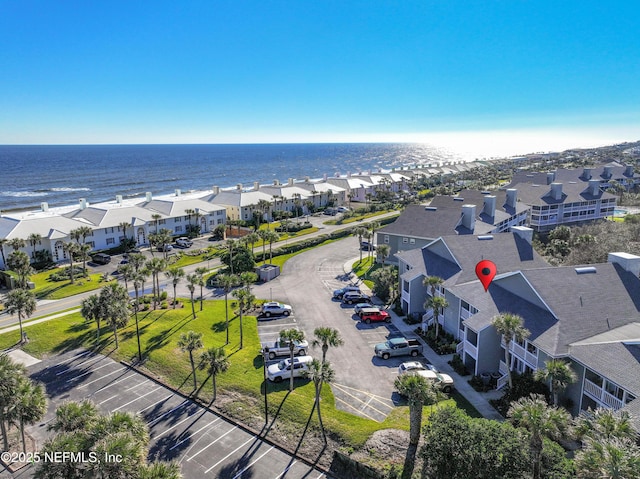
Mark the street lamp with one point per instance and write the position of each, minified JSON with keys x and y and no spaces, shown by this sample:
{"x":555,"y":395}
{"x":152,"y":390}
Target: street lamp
{"x":265,"y":355}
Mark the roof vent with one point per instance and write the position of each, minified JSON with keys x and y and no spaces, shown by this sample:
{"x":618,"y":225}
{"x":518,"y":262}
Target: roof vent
{"x":457,"y":198}
{"x":485,"y":237}
{"x":485,"y":192}
{"x":572,"y":182}
{"x":431,"y":208}
{"x":586,"y":270}
{"x":534,"y":185}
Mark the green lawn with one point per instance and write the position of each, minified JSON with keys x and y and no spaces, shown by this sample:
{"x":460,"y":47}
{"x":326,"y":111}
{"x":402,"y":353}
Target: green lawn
{"x":160,"y":331}
{"x":364,"y":269}
{"x":353,"y":219}
{"x":47,"y":289}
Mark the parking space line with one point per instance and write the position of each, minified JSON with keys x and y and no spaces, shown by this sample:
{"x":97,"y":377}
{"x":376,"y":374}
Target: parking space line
{"x":182,"y":404}
{"x":213,"y":442}
{"x":231,"y":453}
{"x":358,"y":411}
{"x":60,"y":373}
{"x":102,"y":377}
{"x":157,"y":402}
{"x":108,"y":399}
{"x":177,"y":424}
{"x":192,"y":434}
{"x":252,"y":463}
{"x":137,"y":385}
{"x":381,"y":398}
{"x":286,"y":470}
{"x":113,"y":383}
{"x":73,"y":358}
{"x":87,"y":372}
{"x":360,"y":400}
{"x":134,"y":400}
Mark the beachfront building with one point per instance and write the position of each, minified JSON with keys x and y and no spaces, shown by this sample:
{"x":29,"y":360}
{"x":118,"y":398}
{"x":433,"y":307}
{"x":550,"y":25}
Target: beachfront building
{"x":240,"y":204}
{"x":289,"y":198}
{"x":323,"y":194}
{"x":470,"y":213}
{"x":586,"y":315}
{"x":357,"y":190}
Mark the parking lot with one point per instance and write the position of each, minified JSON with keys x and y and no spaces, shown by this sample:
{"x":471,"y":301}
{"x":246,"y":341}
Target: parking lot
{"x":364,"y":383}
{"x":204,"y":443}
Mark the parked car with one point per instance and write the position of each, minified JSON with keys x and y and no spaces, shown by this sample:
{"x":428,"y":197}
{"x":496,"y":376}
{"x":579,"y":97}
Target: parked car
{"x":184,"y":242}
{"x":281,"y":348}
{"x":351,"y":297}
{"x":339,"y":293}
{"x":165,"y":248}
{"x":375,"y":316}
{"x":365,"y":245}
{"x":273,"y":308}
{"x":443,"y":381}
{"x":364,"y":306}
{"x":342,"y":209}
{"x":101,"y":258}
{"x":283,"y":370}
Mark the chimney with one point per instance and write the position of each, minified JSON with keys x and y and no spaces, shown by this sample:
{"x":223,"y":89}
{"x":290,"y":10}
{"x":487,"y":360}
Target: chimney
{"x":83,"y":203}
{"x":148,"y":196}
{"x":628,"y":171}
{"x":239,"y":187}
{"x":290,"y":182}
{"x":256,"y":185}
{"x":324,"y":177}
{"x":523,"y":232}
{"x":119,"y":199}
{"x":276,"y":182}
{"x":586,"y":173}
{"x":594,"y":187}
{"x":178,"y":192}
{"x":216,"y":190}
{"x":489,"y":207}
{"x":607,"y":171}
{"x":44,"y":206}
{"x":306,"y":179}
{"x":469,"y":216}
{"x":629,"y":262}
{"x":348,"y":174}
{"x":512,"y":197}
{"x":551,"y":176}
{"x":556,"y":191}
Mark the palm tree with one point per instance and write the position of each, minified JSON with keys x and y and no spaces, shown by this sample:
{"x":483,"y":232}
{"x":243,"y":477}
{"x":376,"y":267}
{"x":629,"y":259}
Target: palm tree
{"x":419,"y":392}
{"x":16,"y":243}
{"x":34,"y":239}
{"x":21,"y":302}
{"x":252,"y":238}
{"x":264,"y":236}
{"x":137,"y":260}
{"x":215,"y":361}
{"x":29,"y":406}
{"x":603,"y":423}
{"x":114,"y":307}
{"x":360,"y":231}
{"x":245,"y":299}
{"x":20,"y":264}
{"x":175,"y":274}
{"x":559,"y":374}
{"x":138,"y":282}
{"x":272,"y":237}
{"x":226,"y":282}
{"x":126,"y":272}
{"x":608,"y":458}
{"x":160,"y":470}
{"x":74,"y":416}
{"x":70,"y":248}
{"x":511,"y":326}
{"x":10,"y":374}
{"x":291,"y":336}
{"x":319,"y":373}
{"x":230,"y":244}
{"x":383,"y":252}
{"x":431,"y":282}
{"x":263,"y":206}
{"x":326,"y":337}
{"x":190,"y":342}
{"x":192,"y":281}
{"x":156,"y":219}
{"x":247,"y":279}
{"x":124,"y":225}
{"x":201,"y":271}
{"x":438,"y":304}
{"x":541,"y":420}
{"x":82,"y":252}
{"x":90,"y":311}
{"x":155,"y":267}
{"x":163,"y":239}
{"x":81,"y":233}
{"x":373,"y":226}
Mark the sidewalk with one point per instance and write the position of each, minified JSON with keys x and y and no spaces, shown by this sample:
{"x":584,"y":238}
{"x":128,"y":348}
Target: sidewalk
{"x":479,"y":400}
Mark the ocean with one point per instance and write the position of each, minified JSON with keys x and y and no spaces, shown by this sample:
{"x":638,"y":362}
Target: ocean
{"x":61,"y":175}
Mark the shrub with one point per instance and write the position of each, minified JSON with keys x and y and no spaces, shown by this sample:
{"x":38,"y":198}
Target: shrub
{"x":458,"y":365}
{"x":64,"y":274}
{"x":164,"y":305}
{"x":163,"y":296}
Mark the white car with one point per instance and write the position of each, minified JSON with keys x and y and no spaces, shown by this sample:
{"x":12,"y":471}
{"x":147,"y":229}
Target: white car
{"x":184,"y":242}
{"x":443,"y":381}
{"x":342,"y":209}
{"x":282,"y":370}
{"x":273,"y":308}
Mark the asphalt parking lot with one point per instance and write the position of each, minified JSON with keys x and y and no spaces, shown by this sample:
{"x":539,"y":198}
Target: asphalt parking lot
{"x":363,"y":383}
{"x":204,"y":443}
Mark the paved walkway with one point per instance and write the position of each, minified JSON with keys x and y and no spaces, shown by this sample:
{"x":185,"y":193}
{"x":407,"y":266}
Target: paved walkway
{"x":479,"y":400}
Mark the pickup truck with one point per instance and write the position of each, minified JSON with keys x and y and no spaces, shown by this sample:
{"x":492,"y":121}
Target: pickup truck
{"x":398,"y":347}
{"x":373,"y":316}
{"x":281,"y":348}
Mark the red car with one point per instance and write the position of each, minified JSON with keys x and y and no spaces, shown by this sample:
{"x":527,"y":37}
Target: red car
{"x":375,"y":316}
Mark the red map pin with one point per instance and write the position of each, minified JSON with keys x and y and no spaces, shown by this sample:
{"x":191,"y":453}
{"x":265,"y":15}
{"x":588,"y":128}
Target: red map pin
{"x":486,"y":271}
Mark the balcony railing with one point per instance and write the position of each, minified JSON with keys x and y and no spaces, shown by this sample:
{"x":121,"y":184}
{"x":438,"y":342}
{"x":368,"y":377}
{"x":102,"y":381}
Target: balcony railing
{"x":502,"y":382}
{"x":599,"y":394}
{"x":460,"y":347}
{"x":502,"y":368}
{"x":470,"y":349}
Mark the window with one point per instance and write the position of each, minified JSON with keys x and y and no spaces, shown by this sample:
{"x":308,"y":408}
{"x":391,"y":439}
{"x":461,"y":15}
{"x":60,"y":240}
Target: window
{"x":386,"y":239}
{"x":219,"y":222}
{"x":111,"y":241}
{"x":92,"y":244}
{"x":405,"y":240}
{"x":178,"y":229}
{"x":218,"y":213}
{"x":593,"y":377}
{"x":212,"y":222}
{"x":405,"y":285}
{"x":161,"y":222}
{"x":531,"y":348}
{"x":178,"y":219}
{"x":412,"y":241}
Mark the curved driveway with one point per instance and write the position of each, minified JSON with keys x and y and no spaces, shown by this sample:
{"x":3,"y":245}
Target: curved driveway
{"x":363,"y":384}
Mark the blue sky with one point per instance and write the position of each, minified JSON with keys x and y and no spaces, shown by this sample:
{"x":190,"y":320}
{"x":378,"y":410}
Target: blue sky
{"x":296,"y":71}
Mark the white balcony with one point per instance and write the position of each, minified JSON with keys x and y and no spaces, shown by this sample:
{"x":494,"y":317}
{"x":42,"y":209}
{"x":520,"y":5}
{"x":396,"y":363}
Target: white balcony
{"x":470,"y":349}
{"x":503,"y":367}
{"x":602,"y":396}
{"x":460,"y":347}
